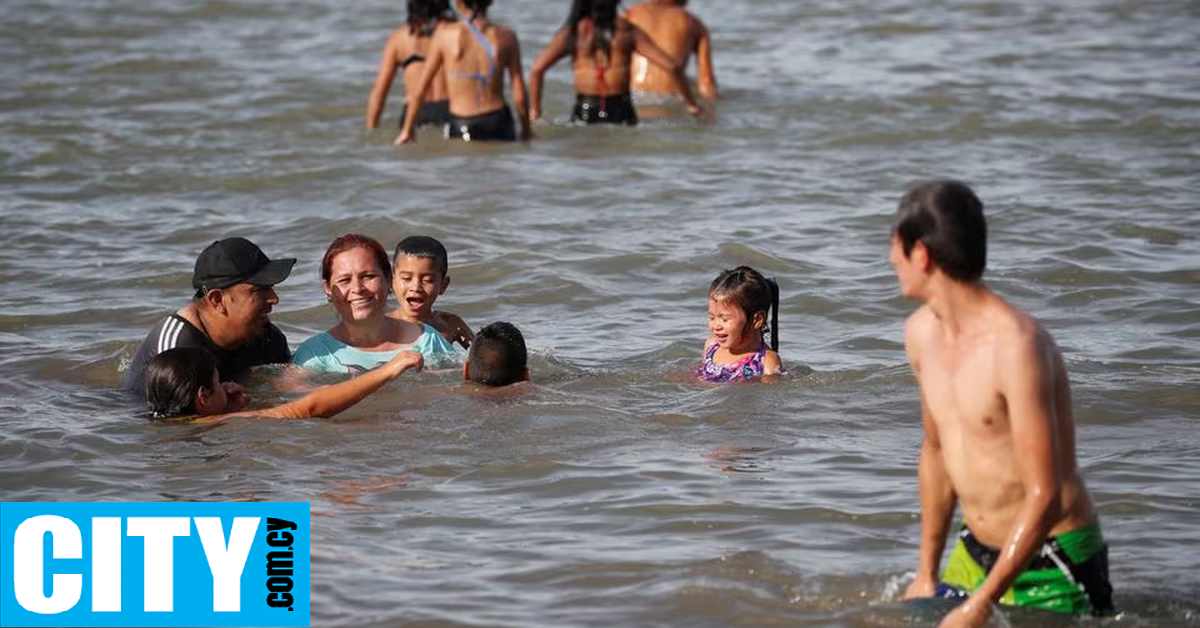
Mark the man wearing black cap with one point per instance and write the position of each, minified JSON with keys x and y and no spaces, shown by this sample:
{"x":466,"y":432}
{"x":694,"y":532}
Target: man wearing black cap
{"x":234,"y":282}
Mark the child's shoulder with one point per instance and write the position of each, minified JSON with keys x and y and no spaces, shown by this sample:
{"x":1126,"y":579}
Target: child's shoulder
{"x":772,"y":363}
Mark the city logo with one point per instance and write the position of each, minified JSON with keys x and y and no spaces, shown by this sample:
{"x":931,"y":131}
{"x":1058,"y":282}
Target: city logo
{"x":175,"y":564}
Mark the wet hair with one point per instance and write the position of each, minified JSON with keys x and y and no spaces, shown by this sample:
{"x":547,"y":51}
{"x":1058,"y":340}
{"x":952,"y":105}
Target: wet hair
{"x":478,"y":8}
{"x":173,"y":378}
{"x":752,"y":293}
{"x":498,"y":356}
{"x":423,"y":15}
{"x":603,"y":14}
{"x":946,"y":217}
{"x":352,"y":241}
{"x":423,"y":246}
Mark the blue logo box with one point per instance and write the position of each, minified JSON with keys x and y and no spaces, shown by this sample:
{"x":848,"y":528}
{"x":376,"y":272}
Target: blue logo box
{"x":154,"y":564}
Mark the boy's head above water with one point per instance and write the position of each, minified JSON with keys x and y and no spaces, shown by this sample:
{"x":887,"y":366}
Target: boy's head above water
{"x":498,"y":356}
{"x":184,"y":381}
{"x":420,"y":274}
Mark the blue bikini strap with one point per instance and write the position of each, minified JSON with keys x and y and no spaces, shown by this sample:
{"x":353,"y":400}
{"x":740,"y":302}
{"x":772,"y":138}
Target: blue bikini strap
{"x":487,"y":48}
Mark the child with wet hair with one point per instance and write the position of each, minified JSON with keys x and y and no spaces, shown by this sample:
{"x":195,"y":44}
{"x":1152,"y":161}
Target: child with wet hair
{"x":739,"y":301}
{"x":498,"y":356}
{"x":421,"y":274}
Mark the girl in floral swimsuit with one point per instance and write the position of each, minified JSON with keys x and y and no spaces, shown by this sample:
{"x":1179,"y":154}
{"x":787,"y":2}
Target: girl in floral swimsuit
{"x":738,"y":303}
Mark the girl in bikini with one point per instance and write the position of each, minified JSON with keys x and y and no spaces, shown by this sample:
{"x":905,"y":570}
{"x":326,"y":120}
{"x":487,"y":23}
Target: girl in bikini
{"x":738,"y":303}
{"x":406,"y":50}
{"x":602,"y":46}
{"x":476,"y":54}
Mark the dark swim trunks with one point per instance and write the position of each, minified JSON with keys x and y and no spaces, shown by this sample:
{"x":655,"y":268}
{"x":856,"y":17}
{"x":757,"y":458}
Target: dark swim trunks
{"x":496,"y":125}
{"x":604,"y":109}
{"x":1069,"y":574}
{"x":431,"y":113}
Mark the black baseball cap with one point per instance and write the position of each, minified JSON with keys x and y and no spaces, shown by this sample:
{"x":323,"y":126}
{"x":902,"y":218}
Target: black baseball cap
{"x":238,"y":260}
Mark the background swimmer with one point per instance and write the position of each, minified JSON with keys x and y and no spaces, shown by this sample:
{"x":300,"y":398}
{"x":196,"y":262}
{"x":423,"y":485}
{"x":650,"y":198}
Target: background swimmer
{"x":601,"y":45}
{"x":476,"y":54}
{"x":682,"y":35}
{"x":406,"y":50}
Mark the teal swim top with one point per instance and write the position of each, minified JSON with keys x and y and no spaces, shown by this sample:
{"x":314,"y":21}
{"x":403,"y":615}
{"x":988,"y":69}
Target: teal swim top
{"x":325,"y":354}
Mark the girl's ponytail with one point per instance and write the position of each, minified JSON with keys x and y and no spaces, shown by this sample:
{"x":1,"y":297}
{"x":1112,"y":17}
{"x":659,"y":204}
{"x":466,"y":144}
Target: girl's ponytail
{"x":774,"y":313}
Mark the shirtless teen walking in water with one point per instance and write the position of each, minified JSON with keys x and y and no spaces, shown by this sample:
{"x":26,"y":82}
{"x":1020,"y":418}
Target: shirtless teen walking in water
{"x":999,"y":434}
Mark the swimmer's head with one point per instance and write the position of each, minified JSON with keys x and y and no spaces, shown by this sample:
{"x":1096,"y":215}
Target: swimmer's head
{"x":603,"y":14}
{"x":183,"y":381}
{"x":498,"y":356}
{"x":474,"y":8}
{"x":419,"y":276}
{"x":423,"y":247}
{"x":352,"y":241}
{"x":423,"y":15}
{"x":754,"y":295}
{"x":946,"y":218}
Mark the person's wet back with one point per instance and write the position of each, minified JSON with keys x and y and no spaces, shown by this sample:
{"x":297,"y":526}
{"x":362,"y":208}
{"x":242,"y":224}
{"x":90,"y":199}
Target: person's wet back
{"x":681,"y":35}
{"x":601,"y":45}
{"x":228,"y":316}
{"x":475,"y":55}
{"x":405,"y":52}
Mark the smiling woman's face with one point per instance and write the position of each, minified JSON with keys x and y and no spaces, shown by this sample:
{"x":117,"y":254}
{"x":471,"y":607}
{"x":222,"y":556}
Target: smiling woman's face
{"x":357,"y":286}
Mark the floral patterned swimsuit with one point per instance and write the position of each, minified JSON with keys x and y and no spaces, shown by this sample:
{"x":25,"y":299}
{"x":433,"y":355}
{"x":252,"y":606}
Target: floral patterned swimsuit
{"x":748,"y":367}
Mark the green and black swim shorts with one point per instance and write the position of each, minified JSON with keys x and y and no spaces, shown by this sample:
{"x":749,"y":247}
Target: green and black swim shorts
{"x":1069,"y":574}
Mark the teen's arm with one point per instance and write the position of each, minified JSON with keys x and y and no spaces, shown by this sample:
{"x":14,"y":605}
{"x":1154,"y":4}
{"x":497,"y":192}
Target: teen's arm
{"x":1027,"y":383}
{"x":383,"y":81}
{"x":433,"y":65}
{"x":553,"y":53}
{"x":937,"y":509}
{"x":937,"y":496}
{"x":706,"y":80}
{"x":647,"y":48}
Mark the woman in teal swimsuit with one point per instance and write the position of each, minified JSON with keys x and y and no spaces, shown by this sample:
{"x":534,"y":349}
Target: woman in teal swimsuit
{"x":357,"y":278}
